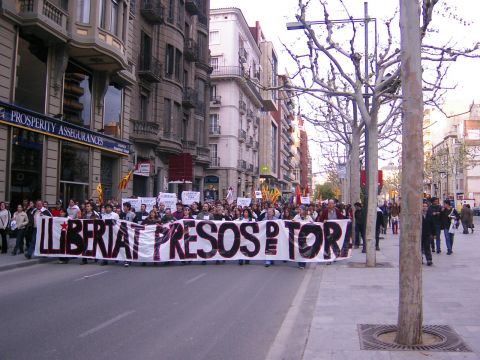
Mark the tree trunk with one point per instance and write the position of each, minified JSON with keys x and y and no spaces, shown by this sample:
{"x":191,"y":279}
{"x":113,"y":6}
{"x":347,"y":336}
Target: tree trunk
{"x":372,"y":185}
{"x":410,"y":313}
{"x":355,"y":166}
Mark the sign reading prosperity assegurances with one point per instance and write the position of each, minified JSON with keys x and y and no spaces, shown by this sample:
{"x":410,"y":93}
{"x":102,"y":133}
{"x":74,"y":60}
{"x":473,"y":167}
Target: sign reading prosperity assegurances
{"x":193,"y":240}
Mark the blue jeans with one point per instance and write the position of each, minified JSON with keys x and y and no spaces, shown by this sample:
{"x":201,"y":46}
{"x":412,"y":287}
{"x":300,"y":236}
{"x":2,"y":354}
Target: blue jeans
{"x":448,"y":239}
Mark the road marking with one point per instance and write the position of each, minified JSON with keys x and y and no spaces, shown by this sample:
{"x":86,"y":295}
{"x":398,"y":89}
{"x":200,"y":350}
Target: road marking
{"x":195,"y":278}
{"x":106,"y":323}
{"x":280,"y":345}
{"x":89,"y":276}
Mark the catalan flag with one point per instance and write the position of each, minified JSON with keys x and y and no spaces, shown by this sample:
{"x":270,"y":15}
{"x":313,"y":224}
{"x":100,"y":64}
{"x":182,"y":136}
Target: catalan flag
{"x":100,"y":193}
{"x":122,"y":185}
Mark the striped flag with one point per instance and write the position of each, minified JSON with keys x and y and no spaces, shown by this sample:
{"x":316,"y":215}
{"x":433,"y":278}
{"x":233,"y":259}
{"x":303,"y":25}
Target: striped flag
{"x":100,"y":193}
{"x":122,"y":185}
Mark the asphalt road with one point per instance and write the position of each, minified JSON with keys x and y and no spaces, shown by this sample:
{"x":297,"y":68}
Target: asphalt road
{"x":55,"y":311}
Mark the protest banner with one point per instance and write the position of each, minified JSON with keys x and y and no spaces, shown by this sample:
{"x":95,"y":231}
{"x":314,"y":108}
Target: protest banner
{"x":193,"y":240}
{"x":169,"y":199}
{"x":305,"y":200}
{"x":134,"y":202}
{"x":244,"y":202}
{"x":149,"y":202}
{"x":258,"y":194}
{"x":189,"y":197}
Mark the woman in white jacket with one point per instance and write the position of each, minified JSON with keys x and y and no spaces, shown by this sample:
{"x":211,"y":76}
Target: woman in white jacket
{"x":21,"y":221}
{"x":4,"y":223}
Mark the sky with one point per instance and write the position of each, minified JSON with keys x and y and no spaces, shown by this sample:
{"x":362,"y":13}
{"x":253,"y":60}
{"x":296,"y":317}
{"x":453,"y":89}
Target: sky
{"x":463,"y":74}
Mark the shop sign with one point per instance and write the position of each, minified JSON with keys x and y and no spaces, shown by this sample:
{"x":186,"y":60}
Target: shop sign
{"x":143,"y":168}
{"x":29,"y":120}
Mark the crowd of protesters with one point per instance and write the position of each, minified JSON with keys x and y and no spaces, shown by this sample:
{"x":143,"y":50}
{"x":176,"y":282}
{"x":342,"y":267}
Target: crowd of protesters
{"x":436,"y":219}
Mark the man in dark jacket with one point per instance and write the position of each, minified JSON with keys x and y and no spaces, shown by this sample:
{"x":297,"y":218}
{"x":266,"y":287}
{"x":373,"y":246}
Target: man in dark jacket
{"x":359,"y":225}
{"x":37,"y":213}
{"x":427,"y":231}
{"x":378,"y":225}
{"x":434,"y":212}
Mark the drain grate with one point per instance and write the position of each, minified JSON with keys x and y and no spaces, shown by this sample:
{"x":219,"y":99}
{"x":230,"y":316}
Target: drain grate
{"x":450,"y":340}
{"x":357,"y":265}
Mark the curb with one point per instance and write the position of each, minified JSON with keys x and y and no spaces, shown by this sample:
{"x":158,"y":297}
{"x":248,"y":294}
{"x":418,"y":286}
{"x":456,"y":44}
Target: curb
{"x":25,"y":263}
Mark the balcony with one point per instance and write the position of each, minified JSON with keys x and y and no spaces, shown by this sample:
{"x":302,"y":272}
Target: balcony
{"x":215,"y":101}
{"x":40,"y":17}
{"x":250,"y":168}
{"x":203,"y":21}
{"x":242,"y":55}
{"x":149,"y":69}
{"x":242,"y":135}
{"x":203,"y":155}
{"x":250,"y":141}
{"x":242,"y":164}
{"x":153,"y":11}
{"x":189,"y":98}
{"x":215,"y":130}
{"x":133,"y":9}
{"x":145,"y":132}
{"x":193,"y":6}
{"x":189,"y":145}
{"x":190,"y":50}
{"x":242,"y":107}
{"x":170,"y":143}
{"x":228,"y":71}
{"x":255,"y":145}
{"x":250,"y":115}
{"x":214,"y":162}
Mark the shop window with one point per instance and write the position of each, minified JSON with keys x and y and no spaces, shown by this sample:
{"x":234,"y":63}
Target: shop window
{"x":26,"y":166}
{"x":106,"y":176}
{"x":112,"y":113}
{"x":31,"y":80}
{"x":77,"y":98}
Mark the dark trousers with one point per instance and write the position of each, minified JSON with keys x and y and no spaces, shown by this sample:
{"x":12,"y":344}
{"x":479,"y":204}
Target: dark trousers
{"x":377,"y":237}
{"x":31,"y":247}
{"x":437,"y":231}
{"x":28,"y":236}
{"x":426,"y":247}
{"x":359,"y":231}
{"x":3,"y":234}
{"x":19,"y":243}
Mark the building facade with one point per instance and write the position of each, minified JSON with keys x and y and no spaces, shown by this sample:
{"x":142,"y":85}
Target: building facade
{"x":63,"y":120}
{"x":235,"y":105}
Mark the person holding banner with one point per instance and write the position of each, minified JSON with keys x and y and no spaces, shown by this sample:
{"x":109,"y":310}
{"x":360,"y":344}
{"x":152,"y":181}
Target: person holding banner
{"x":302,"y":217}
{"x":246,"y":216}
{"x":142,"y":214}
{"x":205,"y":214}
{"x":37,"y":213}
{"x":178,"y":215}
{"x":270,"y":215}
{"x":331,"y":212}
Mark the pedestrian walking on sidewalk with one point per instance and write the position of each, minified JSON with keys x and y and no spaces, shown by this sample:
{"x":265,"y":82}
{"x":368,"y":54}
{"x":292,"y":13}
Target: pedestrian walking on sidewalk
{"x":427,"y":233}
{"x":21,"y":221}
{"x":450,"y":219}
{"x":434,"y":212}
{"x":466,"y":215}
{"x":4,"y":225}
{"x":395,"y":212}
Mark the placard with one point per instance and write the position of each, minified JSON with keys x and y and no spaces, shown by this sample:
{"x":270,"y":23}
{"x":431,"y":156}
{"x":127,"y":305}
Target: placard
{"x":258,"y":194}
{"x":305,"y":200}
{"x":244,"y":202}
{"x":135,"y":202}
{"x":169,"y":199}
{"x":189,"y":197}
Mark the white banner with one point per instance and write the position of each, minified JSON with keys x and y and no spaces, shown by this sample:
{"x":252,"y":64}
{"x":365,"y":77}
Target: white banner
{"x":149,"y":202}
{"x":169,"y":199}
{"x":258,"y":194}
{"x":189,"y":197}
{"x":243,"y":202}
{"x":134,"y":202}
{"x":193,"y":240}
{"x":305,"y":200}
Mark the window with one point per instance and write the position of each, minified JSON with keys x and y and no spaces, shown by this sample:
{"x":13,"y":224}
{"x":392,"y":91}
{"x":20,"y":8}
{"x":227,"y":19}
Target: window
{"x":214,"y":150}
{"x":214,"y":62}
{"x":102,"y":13}
{"x":180,"y":13}
{"x":167,"y":124}
{"x":177,"y":116}
{"x":74,"y":163}
{"x":214,"y":37}
{"x":214,"y":122}
{"x":143,"y":107}
{"x":274,"y":76}
{"x":169,"y":61}
{"x":171,"y":11}
{"x":274,"y":148}
{"x":200,"y":87}
{"x":83,"y":11}
{"x":145,"y":51}
{"x":114,"y":18}
{"x":31,"y":80}
{"x":178,"y":65}
{"x":202,"y":46}
{"x":112,"y":111}
{"x":213,"y":92}
{"x":77,"y":96}
{"x":185,"y":127}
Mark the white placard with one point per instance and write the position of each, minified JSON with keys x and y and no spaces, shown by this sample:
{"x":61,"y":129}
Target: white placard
{"x":258,"y":194}
{"x":189,"y":197}
{"x":305,"y":200}
{"x":244,"y":202}
{"x":169,"y":199}
{"x":134,"y":202}
{"x":149,"y":202}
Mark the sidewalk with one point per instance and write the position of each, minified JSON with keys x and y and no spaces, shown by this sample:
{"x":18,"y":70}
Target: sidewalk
{"x":350,"y":296}
{"x":8,"y":262}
